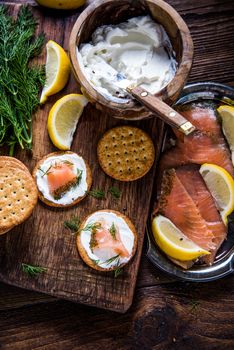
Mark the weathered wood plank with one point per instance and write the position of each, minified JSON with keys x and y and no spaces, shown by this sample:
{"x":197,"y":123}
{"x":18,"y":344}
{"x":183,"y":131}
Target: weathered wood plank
{"x":180,"y":316}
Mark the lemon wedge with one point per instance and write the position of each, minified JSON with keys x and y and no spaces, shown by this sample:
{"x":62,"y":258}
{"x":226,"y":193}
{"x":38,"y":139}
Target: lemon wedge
{"x":221,"y":185}
{"x":61,"y":4}
{"x":173,"y":242}
{"x":63,"y":119}
{"x":227,"y":115}
{"x":57,"y":70}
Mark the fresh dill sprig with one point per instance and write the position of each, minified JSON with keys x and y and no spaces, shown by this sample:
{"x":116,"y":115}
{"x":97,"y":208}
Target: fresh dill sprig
{"x":73,"y":225}
{"x":32,"y":271}
{"x":20,"y":81}
{"x":115,"y":192}
{"x":96,"y":262}
{"x":118,"y":272}
{"x":97,"y":193}
{"x":109,"y":261}
{"x":67,"y":162}
{"x":78,"y":177}
{"x":194,"y":305}
{"x":47,"y":172}
{"x":113,"y":230}
{"x":93,"y":226}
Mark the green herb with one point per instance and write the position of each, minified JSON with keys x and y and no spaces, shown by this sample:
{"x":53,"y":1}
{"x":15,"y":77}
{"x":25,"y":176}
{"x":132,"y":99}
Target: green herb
{"x":96,"y":193}
{"x":96,"y":262}
{"x":20,"y":81}
{"x":47,"y":172}
{"x":78,"y":178}
{"x":67,"y":162}
{"x":194,"y":305}
{"x":115,"y":192}
{"x":73,"y":224}
{"x":33,"y":271}
{"x":118,"y":272}
{"x":92,"y":227}
{"x":113,"y":230}
{"x":109,"y":261}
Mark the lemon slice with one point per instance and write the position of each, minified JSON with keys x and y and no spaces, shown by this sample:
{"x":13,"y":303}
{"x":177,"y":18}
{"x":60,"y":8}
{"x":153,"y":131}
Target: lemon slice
{"x":221,"y":185}
{"x":227,"y":115}
{"x":61,"y":4}
{"x":57,"y":70}
{"x":63,"y":119}
{"x":173,"y":242}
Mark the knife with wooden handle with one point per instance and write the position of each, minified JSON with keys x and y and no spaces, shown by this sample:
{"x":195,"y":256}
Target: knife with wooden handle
{"x":157,"y":106}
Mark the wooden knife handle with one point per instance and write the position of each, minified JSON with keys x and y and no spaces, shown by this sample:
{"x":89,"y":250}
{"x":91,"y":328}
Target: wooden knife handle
{"x":165,"y":112}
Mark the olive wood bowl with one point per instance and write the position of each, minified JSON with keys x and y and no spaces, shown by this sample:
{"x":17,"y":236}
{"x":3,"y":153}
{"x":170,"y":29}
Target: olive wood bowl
{"x":116,"y":11}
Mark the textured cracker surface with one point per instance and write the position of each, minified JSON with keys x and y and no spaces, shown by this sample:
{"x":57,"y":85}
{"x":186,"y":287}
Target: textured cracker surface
{"x":126,"y":153}
{"x":18,"y":195}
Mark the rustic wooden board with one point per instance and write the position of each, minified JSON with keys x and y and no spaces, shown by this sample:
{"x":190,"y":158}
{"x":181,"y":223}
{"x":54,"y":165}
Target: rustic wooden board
{"x":43,"y":240}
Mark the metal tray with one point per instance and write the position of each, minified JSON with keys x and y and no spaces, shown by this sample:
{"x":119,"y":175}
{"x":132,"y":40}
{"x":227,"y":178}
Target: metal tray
{"x":224,"y":261}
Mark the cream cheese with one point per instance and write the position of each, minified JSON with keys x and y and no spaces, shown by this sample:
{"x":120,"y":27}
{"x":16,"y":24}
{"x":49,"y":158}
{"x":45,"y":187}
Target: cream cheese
{"x":74,"y":192}
{"x":126,"y":235}
{"x":138,"y":50}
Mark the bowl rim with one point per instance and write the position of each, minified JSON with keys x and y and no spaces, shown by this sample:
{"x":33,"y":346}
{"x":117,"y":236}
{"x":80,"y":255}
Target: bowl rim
{"x":168,"y":93}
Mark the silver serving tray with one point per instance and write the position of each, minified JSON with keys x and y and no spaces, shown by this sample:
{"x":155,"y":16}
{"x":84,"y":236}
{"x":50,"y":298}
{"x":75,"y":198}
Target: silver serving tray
{"x":224,"y":261}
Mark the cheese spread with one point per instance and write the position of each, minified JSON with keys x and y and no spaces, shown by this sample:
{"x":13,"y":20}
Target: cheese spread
{"x":134,"y":52}
{"x":78,"y":166}
{"x":104,"y":255}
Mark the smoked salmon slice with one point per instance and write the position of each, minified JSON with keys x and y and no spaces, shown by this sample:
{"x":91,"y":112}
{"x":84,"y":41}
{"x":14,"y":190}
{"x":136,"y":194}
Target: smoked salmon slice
{"x":60,"y":176}
{"x":206,"y":145}
{"x":177,"y":205}
{"x":196,"y":188}
{"x":108,"y":243}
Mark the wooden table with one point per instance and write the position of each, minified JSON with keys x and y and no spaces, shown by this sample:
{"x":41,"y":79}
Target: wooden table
{"x":166,"y":314}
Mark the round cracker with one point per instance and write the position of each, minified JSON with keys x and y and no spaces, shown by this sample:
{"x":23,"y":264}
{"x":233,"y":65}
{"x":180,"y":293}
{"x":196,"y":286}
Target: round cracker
{"x":18,"y":196}
{"x":6,"y":160}
{"x":83,"y":253}
{"x":79,"y":199}
{"x":126,"y":153}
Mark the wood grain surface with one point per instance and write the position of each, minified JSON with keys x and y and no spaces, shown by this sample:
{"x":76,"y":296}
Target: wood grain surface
{"x":43,"y":240}
{"x":165,"y":314}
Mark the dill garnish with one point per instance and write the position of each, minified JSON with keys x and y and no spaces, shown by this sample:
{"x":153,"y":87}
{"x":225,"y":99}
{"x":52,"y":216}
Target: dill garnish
{"x":93,"y":226}
{"x":115,"y":192}
{"x":20,"y":81}
{"x":96,"y":262}
{"x":112,"y":231}
{"x":45,"y":172}
{"x":78,"y":178}
{"x":109,"y":261}
{"x":118,"y":272}
{"x":32,"y":271}
{"x":73,"y":224}
{"x":97,"y":193}
{"x":67,"y":162}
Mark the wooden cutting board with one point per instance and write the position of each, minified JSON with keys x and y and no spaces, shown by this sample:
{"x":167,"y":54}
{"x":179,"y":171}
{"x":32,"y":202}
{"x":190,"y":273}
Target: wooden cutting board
{"x":42,"y":240}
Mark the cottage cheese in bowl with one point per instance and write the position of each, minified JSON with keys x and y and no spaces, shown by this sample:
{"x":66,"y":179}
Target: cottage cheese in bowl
{"x":137,"y":51}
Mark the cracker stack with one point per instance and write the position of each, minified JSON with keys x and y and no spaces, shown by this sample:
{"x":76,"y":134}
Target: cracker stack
{"x":18,"y":193}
